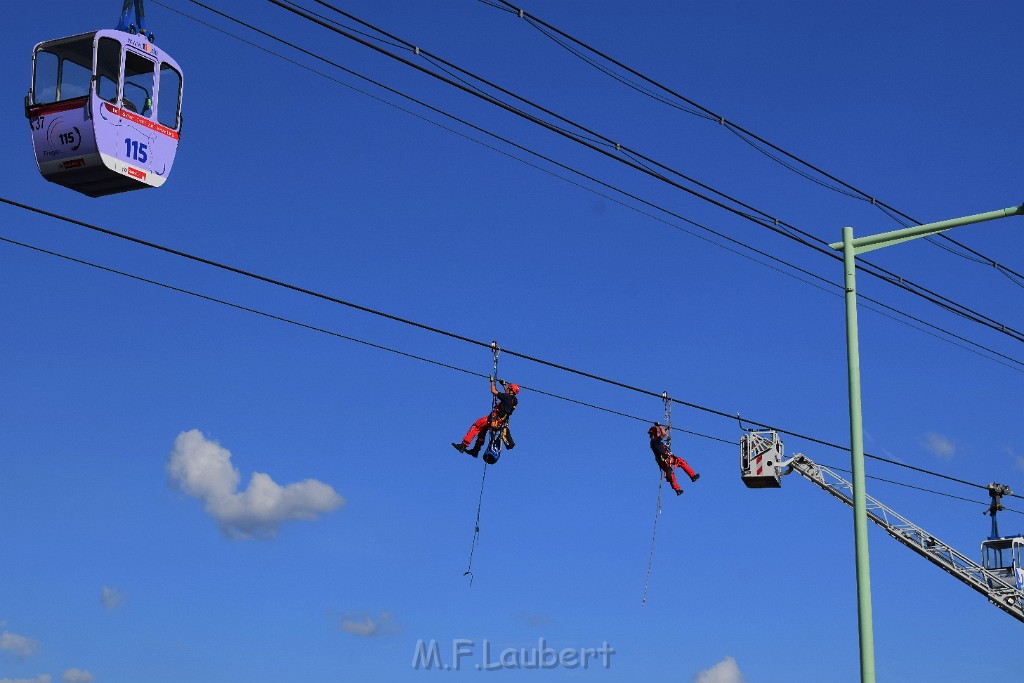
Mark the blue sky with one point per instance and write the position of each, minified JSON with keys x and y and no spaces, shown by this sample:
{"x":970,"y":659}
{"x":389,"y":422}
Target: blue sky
{"x":140,"y":425}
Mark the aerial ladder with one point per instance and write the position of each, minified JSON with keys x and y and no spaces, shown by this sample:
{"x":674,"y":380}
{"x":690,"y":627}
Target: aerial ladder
{"x":1000,"y":576}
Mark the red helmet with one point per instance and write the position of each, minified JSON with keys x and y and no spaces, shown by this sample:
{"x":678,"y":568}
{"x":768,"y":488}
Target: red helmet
{"x":655,"y":430}
{"x":513,"y":389}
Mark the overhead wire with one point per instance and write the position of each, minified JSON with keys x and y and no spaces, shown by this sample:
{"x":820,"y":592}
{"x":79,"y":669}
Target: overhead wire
{"x":487,"y":132}
{"x":937,"y":332}
{"x":915,"y":488}
{"x":449,"y":366}
{"x":332,"y":333}
{"x":449,"y":68}
{"x":506,"y":141}
{"x":592,"y":139}
{"x":766,"y":222}
{"x":271,"y":281}
{"x":397,"y":319}
{"x":837,"y":185}
{"x":892,"y":277}
{"x":452,"y":335}
{"x":434,"y":59}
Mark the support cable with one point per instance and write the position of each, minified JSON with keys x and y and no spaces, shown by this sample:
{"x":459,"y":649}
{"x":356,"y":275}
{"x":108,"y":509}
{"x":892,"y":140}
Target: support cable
{"x":765,"y":220}
{"x":747,"y":136}
{"x":938,"y":332}
{"x":459,"y":337}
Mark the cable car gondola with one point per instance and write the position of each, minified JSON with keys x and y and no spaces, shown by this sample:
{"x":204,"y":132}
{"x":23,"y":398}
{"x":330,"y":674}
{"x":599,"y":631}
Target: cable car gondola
{"x":105,"y":109}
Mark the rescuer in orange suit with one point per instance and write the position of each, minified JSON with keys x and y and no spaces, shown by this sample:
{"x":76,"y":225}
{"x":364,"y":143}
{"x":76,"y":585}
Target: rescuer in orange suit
{"x":496,"y":420}
{"x":666,"y":459}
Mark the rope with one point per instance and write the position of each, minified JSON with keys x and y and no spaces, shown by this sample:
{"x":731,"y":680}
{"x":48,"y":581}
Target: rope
{"x":476,"y":530}
{"x":650,"y":559}
{"x":483,"y":479}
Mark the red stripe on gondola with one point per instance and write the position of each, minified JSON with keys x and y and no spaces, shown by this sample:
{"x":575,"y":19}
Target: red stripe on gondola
{"x":136,"y":173}
{"x":53,"y":108}
{"x":141,"y":120}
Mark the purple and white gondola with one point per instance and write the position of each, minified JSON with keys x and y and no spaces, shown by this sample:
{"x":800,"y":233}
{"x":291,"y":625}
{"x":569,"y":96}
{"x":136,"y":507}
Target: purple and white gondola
{"x":105,"y":111}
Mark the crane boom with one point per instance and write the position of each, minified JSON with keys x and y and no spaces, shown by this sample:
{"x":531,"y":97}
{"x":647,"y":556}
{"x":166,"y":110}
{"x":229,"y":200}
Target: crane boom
{"x":762,"y":463}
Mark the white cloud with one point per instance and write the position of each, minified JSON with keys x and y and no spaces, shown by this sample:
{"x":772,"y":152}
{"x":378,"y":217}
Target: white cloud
{"x":726,"y":671}
{"x":111,"y":598}
{"x":939,"y":446}
{"x":364,"y":626}
{"x":19,"y":646}
{"x":1017,"y":459}
{"x":77,"y":676}
{"x":203,"y":469}
{"x":41,"y":678}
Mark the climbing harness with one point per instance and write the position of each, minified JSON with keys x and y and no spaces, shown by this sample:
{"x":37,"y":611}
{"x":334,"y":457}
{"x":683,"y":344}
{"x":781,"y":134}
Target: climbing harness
{"x":661,"y":481}
{"x":497,"y":422}
{"x":483,"y":479}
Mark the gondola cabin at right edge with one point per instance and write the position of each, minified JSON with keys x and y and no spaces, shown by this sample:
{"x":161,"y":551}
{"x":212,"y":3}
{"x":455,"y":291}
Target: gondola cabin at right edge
{"x":105,"y":111}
